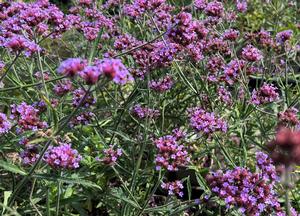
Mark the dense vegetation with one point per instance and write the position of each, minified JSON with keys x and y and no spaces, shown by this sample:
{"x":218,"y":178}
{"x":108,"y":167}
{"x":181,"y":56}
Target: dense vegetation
{"x":149,"y":107}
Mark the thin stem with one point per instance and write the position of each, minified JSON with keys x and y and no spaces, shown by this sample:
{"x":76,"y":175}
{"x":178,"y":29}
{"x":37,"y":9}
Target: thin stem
{"x":287,"y":187}
{"x":9,"y":67}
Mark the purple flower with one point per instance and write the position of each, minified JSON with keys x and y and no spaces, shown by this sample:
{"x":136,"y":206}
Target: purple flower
{"x":78,"y":95}
{"x":144,"y":112}
{"x":224,"y":95}
{"x":19,"y":43}
{"x":232,"y":70}
{"x":214,"y":8}
{"x":266,"y":94}
{"x":161,"y":85}
{"x":252,"y":193}
{"x":90,"y":74}
{"x":200,"y":4}
{"x":171,"y":154}
{"x":250,"y":53}
{"x":82,"y":119}
{"x":5,"y":125}
{"x":241,"y":6}
{"x":29,"y":155}
{"x":115,"y":70}
{"x":206,"y":122}
{"x":62,"y":156}
{"x":173,"y":188}
{"x":63,"y":87}
{"x":72,"y":66}
{"x":231,"y":34}
{"x":27,"y":117}
{"x":111,"y":155}
{"x":283,"y":36}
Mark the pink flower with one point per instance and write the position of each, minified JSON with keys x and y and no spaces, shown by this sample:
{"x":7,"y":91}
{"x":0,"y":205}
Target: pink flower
{"x":90,"y":74}
{"x":72,"y":66}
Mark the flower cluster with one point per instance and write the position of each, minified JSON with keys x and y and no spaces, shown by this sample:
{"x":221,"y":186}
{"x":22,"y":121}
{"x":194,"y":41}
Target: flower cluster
{"x":285,"y":148}
{"x":266,"y":94}
{"x":62,"y":156}
{"x":111,"y":155}
{"x":21,"y":22}
{"x":114,"y":70}
{"x":63,"y":87}
{"x":171,"y":155}
{"x":5,"y":125}
{"x":283,"y":36}
{"x":232,"y":70}
{"x":173,"y":188}
{"x":161,"y":85}
{"x":252,"y":54}
{"x":206,"y":122}
{"x":79,"y":96}
{"x":82,"y":119}
{"x":27,"y":117}
{"x":288,"y":117}
{"x":29,"y":155}
{"x":224,"y":95}
{"x":252,"y":193}
{"x":71,"y":66}
{"x":144,"y":112}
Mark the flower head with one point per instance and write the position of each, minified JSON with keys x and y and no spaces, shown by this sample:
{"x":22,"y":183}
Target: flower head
{"x":62,"y":156}
{"x":72,"y":66}
{"x":114,"y":69}
{"x":5,"y":125}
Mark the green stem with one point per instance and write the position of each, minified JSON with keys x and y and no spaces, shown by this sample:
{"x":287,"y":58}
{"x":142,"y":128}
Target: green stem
{"x":287,"y":187}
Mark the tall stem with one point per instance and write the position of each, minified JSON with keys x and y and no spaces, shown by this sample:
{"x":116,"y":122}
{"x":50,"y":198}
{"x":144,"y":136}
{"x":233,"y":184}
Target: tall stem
{"x":287,"y":187}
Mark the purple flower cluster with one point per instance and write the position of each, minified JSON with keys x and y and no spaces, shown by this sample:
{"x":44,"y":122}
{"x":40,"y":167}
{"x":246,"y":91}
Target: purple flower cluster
{"x":163,"y":54}
{"x":173,"y":188}
{"x":289,"y":117}
{"x":224,"y":95}
{"x":214,"y":9}
{"x":29,"y":155}
{"x":283,"y":36}
{"x":233,"y":69}
{"x":184,"y":31}
{"x":266,"y":94}
{"x":231,"y":34}
{"x":171,"y":154}
{"x":200,"y":4}
{"x":62,"y":156}
{"x":78,"y":95}
{"x":115,"y":70}
{"x":21,"y":22}
{"x":19,"y":43}
{"x":5,"y":125}
{"x":252,"y":54}
{"x":206,"y":122}
{"x":241,"y":6}
{"x":252,"y":193}
{"x":27,"y":117}
{"x":161,"y":85}
{"x":82,"y":119}
{"x":72,"y":66}
{"x":111,"y":155}
{"x":112,"y":68}
{"x":144,"y":112}
{"x":63,"y":87}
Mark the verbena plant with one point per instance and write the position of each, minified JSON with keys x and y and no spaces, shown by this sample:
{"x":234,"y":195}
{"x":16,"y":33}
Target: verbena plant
{"x":149,"y":107}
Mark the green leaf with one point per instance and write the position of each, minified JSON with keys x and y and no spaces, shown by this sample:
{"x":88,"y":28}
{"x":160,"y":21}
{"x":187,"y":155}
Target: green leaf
{"x":12,"y":168}
{"x":67,"y":180}
{"x":6,"y":196}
